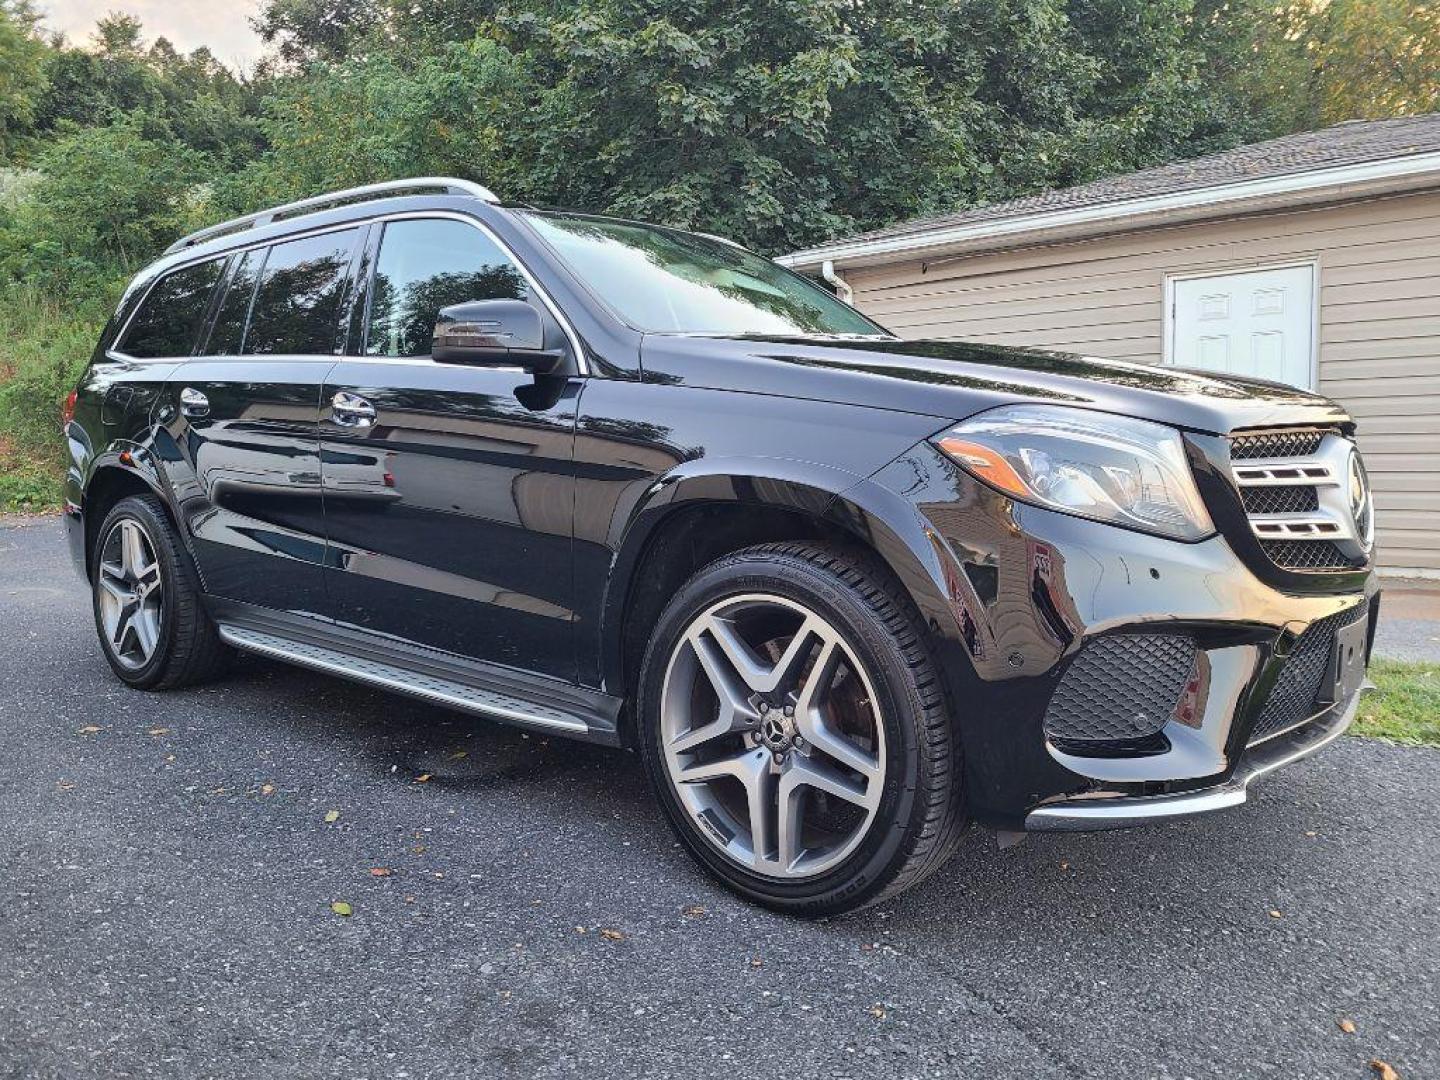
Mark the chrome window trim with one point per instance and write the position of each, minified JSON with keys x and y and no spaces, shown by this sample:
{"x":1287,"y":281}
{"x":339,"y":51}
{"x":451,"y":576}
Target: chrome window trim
{"x":582,"y":363}
{"x":185,"y":264}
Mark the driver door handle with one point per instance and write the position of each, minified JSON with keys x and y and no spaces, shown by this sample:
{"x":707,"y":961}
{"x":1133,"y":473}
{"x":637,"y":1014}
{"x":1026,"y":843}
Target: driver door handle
{"x":351,"y":410}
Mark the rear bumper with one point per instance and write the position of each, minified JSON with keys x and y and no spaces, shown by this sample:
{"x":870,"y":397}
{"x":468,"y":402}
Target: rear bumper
{"x":74,"y":518}
{"x":1101,"y":811}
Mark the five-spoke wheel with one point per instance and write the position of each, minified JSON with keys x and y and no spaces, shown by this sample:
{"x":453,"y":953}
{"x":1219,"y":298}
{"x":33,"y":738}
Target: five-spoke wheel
{"x":131,"y":594}
{"x":149,"y":610}
{"x":771,"y":735}
{"x":794,"y":727}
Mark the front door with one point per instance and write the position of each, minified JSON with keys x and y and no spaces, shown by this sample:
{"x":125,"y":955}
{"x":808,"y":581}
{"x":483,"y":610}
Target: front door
{"x":241,"y":424}
{"x":1259,"y":323}
{"x":448,"y":488}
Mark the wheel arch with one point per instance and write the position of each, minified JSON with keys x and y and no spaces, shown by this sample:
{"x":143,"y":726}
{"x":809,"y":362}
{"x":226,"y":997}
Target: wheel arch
{"x":693,"y":519}
{"x":109,"y":482}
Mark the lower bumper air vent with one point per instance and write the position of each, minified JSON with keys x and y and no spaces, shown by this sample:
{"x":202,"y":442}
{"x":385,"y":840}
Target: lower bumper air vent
{"x":1118,"y":693}
{"x":1295,"y":696}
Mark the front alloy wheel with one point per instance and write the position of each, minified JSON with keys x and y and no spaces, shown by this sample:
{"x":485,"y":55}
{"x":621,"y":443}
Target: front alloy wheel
{"x":771,"y":736}
{"x":796,"y":732}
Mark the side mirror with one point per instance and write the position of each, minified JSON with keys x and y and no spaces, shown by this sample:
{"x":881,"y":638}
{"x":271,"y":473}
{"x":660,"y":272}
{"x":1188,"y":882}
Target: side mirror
{"x":494,"y":333}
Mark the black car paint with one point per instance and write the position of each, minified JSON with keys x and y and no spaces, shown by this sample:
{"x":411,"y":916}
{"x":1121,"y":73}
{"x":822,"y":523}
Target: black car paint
{"x":507,"y":518}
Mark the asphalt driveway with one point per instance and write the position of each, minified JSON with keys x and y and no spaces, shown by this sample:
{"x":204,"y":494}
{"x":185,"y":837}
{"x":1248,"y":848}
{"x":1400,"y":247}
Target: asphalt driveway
{"x":167,"y":875}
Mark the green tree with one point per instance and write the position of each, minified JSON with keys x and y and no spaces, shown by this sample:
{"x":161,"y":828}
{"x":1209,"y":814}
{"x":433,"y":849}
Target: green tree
{"x":105,"y":200}
{"x":1369,"y":59}
{"x":22,"y":56}
{"x":193,"y":98}
{"x":775,"y":121}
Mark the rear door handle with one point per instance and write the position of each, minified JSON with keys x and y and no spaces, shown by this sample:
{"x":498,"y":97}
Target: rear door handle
{"x":194,"y":403}
{"x":351,"y":410}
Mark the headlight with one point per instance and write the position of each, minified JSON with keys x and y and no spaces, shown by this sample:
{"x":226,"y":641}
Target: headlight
{"x":1110,"y":468}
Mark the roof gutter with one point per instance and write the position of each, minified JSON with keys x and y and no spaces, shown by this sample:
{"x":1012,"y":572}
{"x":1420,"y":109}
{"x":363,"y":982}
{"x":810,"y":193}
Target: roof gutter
{"x":1373,"y":178}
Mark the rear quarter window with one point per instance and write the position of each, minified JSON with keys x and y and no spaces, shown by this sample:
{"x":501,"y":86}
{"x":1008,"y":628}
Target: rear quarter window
{"x":170,"y":316}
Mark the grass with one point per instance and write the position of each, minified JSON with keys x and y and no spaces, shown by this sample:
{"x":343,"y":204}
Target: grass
{"x":1406,"y":709}
{"x":27,"y":485}
{"x":43,"y":348}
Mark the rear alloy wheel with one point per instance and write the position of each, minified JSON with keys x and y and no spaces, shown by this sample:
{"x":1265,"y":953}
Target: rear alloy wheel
{"x":131,"y":595}
{"x":148,"y":605}
{"x":795,"y":731}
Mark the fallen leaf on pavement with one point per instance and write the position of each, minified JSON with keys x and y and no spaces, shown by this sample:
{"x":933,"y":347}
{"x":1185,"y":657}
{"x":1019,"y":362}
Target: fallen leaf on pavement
{"x":612,"y":935}
{"x":267,"y":789}
{"x":380,"y":871}
{"x":159,"y":731}
{"x":693,"y":911}
{"x":1275,"y":913}
{"x":340,"y":907}
{"x":877,"y":1011}
{"x":1383,"y":1070}
{"x":332,"y":816}
{"x":458,"y":754}
{"x":423,"y":778}
{"x":1346,"y":1025}
{"x":89,"y":729}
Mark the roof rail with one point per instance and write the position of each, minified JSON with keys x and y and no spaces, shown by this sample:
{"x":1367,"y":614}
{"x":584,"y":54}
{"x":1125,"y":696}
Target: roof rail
{"x":447,"y":185}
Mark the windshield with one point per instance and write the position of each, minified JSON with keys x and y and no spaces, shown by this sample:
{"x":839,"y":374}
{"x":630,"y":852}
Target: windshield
{"x":664,"y":281}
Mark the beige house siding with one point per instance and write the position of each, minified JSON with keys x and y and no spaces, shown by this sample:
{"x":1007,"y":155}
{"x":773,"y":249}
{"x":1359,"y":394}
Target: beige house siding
{"x":1379,"y":320}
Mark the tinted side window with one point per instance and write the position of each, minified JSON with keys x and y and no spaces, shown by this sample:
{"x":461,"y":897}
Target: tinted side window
{"x":170,"y":317}
{"x":228,"y":333}
{"x":425,"y":265}
{"x":297,"y":302}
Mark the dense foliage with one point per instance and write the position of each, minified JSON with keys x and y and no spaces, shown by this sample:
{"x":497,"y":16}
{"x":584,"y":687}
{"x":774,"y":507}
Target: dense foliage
{"x":778,"y":122}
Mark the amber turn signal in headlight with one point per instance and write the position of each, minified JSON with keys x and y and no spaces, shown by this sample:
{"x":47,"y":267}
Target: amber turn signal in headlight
{"x":1110,"y":468}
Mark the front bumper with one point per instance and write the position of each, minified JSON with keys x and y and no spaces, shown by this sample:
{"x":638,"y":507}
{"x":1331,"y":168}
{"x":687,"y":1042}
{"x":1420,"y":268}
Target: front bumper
{"x":1101,"y":811}
{"x":1021,"y":593}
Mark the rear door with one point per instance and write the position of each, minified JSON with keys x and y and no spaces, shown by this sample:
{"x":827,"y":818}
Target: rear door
{"x":448,"y":488}
{"x":159,"y":337}
{"x":242,"y":420}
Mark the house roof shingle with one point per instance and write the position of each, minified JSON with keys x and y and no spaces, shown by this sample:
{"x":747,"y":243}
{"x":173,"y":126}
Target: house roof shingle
{"x":1350,"y":143}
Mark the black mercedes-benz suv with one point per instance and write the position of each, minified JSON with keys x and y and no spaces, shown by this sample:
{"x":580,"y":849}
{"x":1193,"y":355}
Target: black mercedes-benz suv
{"x":597,"y":478}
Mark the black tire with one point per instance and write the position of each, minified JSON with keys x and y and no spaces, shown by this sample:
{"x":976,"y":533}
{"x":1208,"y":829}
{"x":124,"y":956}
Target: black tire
{"x":920,"y":819}
{"x":188,"y":648}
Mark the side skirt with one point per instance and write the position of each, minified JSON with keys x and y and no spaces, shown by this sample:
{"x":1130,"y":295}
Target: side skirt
{"x":488,"y":690}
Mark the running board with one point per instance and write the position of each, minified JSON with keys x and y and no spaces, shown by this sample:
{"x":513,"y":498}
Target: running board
{"x":430,"y":687}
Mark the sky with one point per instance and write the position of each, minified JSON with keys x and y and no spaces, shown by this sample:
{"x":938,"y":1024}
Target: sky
{"x":222,"y":25}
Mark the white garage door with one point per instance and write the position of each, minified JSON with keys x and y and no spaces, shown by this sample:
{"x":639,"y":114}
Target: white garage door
{"x":1258,"y":322}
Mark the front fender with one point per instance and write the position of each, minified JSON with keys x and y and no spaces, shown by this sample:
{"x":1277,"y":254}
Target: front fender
{"x":859,"y":511}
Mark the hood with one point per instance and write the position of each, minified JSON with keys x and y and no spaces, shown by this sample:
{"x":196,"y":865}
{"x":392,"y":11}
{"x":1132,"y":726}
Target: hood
{"x":952,"y":380}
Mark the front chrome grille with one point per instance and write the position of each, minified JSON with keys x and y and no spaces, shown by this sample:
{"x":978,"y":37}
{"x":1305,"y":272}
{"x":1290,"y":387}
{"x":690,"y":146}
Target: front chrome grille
{"x":1119,"y":692}
{"x":1276,"y":444}
{"x":1289,"y":499}
{"x":1317,"y":555}
{"x":1296,"y":695}
{"x":1296,"y":486}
